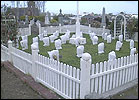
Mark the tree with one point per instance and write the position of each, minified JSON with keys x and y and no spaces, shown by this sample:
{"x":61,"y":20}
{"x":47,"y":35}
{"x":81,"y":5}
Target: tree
{"x":55,"y":18}
{"x":132,"y":26}
{"x":53,"y":21}
{"x":9,"y":26}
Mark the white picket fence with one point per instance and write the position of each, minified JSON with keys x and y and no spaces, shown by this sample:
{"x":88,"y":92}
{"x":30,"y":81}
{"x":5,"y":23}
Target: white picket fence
{"x":4,"y":53}
{"x":108,"y":75}
{"x":22,"y":60}
{"x":63,"y":29}
{"x":61,"y":78}
{"x":69,"y":81}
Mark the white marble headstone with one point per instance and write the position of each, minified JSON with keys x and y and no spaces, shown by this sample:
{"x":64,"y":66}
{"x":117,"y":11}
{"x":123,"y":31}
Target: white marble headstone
{"x":40,"y":36}
{"x":132,"y":51}
{"x":109,"y":38}
{"x":118,"y":45}
{"x":56,"y":33}
{"x":101,"y":48}
{"x":46,"y":41}
{"x":92,"y":35}
{"x":63,"y":39}
{"x":35,"y":44}
{"x":52,"y":38}
{"x":24,"y":37}
{"x":45,"y":32}
{"x":35,"y":39}
{"x":24,"y":44}
{"x":121,"y":38}
{"x":105,"y":36}
{"x":58,"y":44}
{"x":73,"y":36}
{"x":112,"y":56}
{"x":67,"y":35}
{"x":74,"y":41}
{"x":131,"y":44}
{"x":53,"y":54}
{"x":80,"y":50}
{"x":82,"y":40}
{"x":95,"y":40}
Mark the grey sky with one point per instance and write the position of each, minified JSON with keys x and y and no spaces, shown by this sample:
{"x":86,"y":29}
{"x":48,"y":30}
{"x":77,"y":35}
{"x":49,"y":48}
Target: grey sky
{"x":92,"y":6}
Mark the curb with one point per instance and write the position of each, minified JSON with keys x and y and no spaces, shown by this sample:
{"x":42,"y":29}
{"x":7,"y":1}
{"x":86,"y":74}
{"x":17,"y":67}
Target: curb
{"x":41,"y":90}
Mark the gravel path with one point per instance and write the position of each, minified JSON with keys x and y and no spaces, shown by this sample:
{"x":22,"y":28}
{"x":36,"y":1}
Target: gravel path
{"x":13,"y":88}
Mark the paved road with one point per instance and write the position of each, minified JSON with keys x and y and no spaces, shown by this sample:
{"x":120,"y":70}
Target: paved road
{"x":13,"y":88}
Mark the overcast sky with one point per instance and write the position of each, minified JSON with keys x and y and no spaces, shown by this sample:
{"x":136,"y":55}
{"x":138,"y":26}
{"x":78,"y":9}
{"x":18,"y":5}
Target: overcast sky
{"x":68,"y":7}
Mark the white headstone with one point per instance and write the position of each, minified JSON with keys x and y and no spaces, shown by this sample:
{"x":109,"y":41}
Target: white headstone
{"x":105,"y":36}
{"x":74,"y":41}
{"x":92,"y":35}
{"x":37,"y":23}
{"x":52,"y":38}
{"x":73,"y":36}
{"x":80,"y":50}
{"x":45,"y":32}
{"x":24,"y":44}
{"x":32,"y":22}
{"x":101,"y":48}
{"x":56,"y":33}
{"x":82,"y":41}
{"x":24,"y":37}
{"x":132,"y":51}
{"x":46,"y":41}
{"x":40,"y":36}
{"x":118,"y":45}
{"x":95,"y":40}
{"x":131,"y":44}
{"x":58,"y":44}
{"x":112,"y":56}
{"x":121,"y":38}
{"x":68,"y":34}
{"x":109,"y":38}
{"x":35,"y":39}
{"x":54,"y":54}
{"x":35,"y":44}
{"x":71,"y":40}
{"x":63,"y":39}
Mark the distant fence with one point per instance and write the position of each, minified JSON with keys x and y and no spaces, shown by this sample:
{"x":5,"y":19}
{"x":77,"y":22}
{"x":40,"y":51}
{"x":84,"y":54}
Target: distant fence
{"x":63,"y":29}
{"x":71,"y":82}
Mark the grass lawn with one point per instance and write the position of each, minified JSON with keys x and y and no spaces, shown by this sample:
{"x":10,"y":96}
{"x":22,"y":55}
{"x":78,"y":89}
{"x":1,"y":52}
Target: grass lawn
{"x":68,"y":51}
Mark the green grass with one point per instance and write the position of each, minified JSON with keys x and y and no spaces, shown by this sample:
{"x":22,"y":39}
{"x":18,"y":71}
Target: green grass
{"x":68,"y":51}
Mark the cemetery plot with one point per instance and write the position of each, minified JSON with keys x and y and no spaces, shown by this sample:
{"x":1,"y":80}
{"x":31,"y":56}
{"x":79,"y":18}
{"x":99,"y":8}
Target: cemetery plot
{"x":68,"y":53}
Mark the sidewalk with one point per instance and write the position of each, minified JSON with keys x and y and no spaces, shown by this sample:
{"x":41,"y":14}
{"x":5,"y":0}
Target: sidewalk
{"x":16,"y":85}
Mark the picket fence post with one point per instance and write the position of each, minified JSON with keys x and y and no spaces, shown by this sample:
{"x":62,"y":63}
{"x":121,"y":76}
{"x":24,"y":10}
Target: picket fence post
{"x":10,"y":50}
{"x":34,"y":58}
{"x":85,"y":65}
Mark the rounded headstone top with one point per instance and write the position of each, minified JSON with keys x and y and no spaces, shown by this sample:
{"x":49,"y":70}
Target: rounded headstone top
{"x":9,"y":41}
{"x":86,"y":56}
{"x":34,"y":47}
